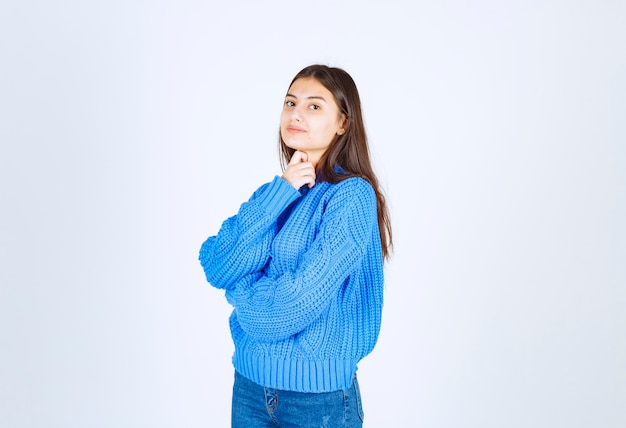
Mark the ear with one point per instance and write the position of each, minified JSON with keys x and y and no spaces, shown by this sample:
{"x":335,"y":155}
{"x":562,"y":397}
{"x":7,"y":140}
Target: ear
{"x":344,"y":125}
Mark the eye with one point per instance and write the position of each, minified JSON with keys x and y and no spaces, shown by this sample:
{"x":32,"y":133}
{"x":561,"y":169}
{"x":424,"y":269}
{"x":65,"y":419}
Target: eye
{"x":314,"y":107}
{"x":289,"y":103}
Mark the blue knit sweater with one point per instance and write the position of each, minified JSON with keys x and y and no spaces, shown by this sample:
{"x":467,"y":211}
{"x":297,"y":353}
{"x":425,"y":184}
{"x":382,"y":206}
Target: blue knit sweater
{"x":304,"y":273}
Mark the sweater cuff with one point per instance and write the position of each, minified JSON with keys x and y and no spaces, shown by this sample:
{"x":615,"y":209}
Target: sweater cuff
{"x":277,"y":196}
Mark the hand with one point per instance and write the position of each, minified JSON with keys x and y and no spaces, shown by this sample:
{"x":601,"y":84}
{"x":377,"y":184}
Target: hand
{"x":299,"y":172}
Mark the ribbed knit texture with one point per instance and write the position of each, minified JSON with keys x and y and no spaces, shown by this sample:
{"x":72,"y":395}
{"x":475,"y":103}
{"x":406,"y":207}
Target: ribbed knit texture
{"x":304,"y":273}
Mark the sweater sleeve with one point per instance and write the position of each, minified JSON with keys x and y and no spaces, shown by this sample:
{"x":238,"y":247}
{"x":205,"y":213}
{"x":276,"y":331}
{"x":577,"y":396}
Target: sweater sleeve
{"x":271,"y":309}
{"x":242,"y":245}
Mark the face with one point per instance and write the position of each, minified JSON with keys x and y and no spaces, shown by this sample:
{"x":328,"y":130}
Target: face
{"x":311,"y":118}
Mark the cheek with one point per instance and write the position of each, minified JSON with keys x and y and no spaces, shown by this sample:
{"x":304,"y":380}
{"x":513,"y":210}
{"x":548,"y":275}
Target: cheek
{"x":284,"y":123}
{"x":330,"y":129}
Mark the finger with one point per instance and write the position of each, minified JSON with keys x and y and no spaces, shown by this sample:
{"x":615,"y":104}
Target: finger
{"x":297,"y":157}
{"x":303,"y":166}
{"x":310,"y":177}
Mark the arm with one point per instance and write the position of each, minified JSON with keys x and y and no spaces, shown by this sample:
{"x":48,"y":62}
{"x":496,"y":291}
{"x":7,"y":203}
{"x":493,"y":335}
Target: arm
{"x":242,"y":244}
{"x":272,"y":309}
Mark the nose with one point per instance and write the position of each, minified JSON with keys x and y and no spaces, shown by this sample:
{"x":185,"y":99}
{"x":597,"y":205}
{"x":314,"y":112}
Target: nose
{"x":296,"y":114}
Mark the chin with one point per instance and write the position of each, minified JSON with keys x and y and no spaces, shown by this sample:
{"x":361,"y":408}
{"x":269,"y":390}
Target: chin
{"x":293,"y":146}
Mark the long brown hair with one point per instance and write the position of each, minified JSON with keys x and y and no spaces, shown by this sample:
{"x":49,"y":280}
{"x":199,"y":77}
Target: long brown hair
{"x":350,"y":150}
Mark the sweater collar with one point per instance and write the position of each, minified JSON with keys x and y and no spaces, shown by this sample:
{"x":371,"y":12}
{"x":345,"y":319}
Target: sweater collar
{"x":318,"y":179}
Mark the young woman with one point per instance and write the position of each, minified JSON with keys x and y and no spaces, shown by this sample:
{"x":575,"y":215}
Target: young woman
{"x":302,"y":265}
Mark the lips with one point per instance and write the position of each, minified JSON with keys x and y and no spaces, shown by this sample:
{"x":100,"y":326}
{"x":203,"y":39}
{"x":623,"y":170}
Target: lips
{"x":295,"y":129}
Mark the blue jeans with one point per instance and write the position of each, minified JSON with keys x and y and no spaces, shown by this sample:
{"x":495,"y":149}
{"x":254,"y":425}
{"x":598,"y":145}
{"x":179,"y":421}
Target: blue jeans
{"x":257,"y":407}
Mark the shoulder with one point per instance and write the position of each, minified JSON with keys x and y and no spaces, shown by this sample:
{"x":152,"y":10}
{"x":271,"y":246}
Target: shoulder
{"x":354,"y":193}
{"x":355,"y":187}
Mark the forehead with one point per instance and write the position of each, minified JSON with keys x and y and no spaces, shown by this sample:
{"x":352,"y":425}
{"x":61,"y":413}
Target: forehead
{"x":305,"y":87}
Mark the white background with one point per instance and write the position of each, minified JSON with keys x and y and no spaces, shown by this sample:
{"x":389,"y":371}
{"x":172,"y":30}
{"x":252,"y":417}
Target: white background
{"x":131,"y":129}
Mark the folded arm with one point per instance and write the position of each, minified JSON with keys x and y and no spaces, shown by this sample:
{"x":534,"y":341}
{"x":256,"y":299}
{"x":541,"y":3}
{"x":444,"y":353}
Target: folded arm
{"x":242,"y":245}
{"x":272,"y":309}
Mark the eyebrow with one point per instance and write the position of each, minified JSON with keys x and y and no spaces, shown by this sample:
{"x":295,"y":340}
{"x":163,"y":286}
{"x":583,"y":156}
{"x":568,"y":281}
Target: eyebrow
{"x":313,"y":97}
